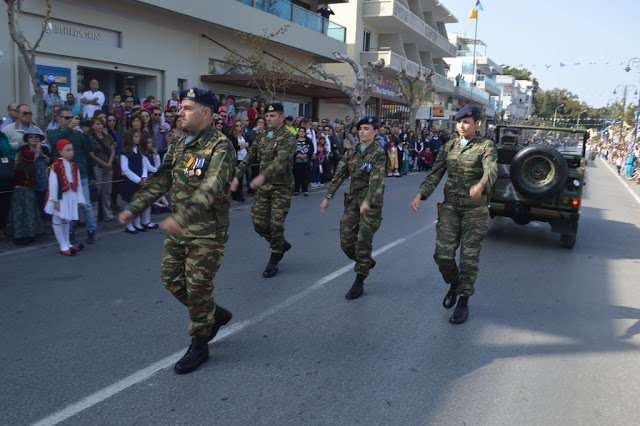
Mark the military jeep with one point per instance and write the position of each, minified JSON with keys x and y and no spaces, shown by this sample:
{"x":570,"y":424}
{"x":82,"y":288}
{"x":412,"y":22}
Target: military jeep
{"x":540,"y":177}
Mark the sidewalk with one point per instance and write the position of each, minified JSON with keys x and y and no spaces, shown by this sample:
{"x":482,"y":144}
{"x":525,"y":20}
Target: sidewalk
{"x":632,"y":186}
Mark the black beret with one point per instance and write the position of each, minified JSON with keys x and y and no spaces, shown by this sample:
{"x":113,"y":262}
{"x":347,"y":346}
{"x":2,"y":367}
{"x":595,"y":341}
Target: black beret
{"x":368,"y":120}
{"x":471,"y":111}
{"x":275,"y":107}
{"x":200,"y":96}
{"x":289,"y":118}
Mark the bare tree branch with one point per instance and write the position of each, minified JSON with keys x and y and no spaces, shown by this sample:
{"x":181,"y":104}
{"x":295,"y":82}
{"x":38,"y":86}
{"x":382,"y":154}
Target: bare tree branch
{"x":411,"y":92}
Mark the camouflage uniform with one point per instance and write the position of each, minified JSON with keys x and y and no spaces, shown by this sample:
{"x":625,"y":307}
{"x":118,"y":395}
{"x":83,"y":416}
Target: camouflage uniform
{"x":462,"y":221}
{"x":198,"y":168}
{"x":366,"y":169}
{"x":275,"y":151}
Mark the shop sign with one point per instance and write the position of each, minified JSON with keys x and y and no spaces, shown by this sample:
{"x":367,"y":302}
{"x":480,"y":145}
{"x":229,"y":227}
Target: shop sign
{"x":57,"y":28}
{"x":384,"y":90}
{"x":437,"y":111}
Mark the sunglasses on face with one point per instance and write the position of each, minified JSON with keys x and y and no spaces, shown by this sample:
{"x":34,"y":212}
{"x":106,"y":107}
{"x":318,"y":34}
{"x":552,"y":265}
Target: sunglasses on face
{"x":144,"y":116}
{"x":67,"y":117}
{"x":219,"y":123}
{"x":112,"y":119}
{"x":157,"y":115}
{"x":26,"y":113}
{"x":238,"y":125}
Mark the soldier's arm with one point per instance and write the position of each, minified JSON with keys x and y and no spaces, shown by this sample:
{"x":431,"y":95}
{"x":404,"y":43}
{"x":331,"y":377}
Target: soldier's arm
{"x":214,"y":184}
{"x":157,"y":185}
{"x":283,"y":159}
{"x":250,"y":159}
{"x":376,"y":182}
{"x":489,"y":166}
{"x":433,"y":179}
{"x":341,"y":173}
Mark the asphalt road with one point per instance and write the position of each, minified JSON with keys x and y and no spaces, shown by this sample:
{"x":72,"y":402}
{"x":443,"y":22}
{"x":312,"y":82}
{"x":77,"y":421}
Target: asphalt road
{"x":552,"y":337}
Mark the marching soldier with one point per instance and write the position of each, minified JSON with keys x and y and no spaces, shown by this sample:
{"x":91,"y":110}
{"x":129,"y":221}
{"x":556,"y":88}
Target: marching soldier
{"x":274,"y":150}
{"x":471,"y":165}
{"x":198,"y":169}
{"x":364,"y":163}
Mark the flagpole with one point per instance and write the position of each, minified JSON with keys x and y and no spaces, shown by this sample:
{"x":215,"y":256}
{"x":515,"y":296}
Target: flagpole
{"x":475,"y":42}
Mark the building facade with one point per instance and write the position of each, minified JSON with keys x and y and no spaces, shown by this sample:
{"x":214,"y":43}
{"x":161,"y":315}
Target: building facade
{"x":156,"y":46}
{"x":516,"y":99}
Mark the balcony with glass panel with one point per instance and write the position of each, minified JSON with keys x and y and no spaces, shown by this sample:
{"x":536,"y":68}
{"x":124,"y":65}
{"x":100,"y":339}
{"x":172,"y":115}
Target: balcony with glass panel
{"x":488,"y":84}
{"x":301,"y":16}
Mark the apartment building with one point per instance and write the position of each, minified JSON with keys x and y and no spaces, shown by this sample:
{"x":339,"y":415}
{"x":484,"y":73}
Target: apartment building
{"x":156,"y":46}
{"x":407,"y":34}
{"x":516,"y":99}
{"x":477,"y":87}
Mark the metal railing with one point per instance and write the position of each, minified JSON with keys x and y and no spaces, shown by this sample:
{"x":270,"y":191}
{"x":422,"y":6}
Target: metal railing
{"x":301,"y":16}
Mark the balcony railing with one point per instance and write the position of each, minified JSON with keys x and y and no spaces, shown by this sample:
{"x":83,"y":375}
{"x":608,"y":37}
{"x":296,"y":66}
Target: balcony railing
{"x":489,"y":82}
{"x":443,"y":84}
{"x":392,"y":60}
{"x":290,"y":12}
{"x":470,"y":91}
{"x":375,"y":8}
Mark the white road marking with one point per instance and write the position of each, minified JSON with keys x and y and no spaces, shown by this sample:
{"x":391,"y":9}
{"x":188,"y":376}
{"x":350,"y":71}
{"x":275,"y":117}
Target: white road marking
{"x":145,"y":373}
{"x":626,"y":185}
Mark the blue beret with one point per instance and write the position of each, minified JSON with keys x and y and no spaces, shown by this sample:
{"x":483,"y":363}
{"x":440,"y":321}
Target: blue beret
{"x":275,"y":107}
{"x":200,"y":96}
{"x":471,"y":111}
{"x":368,"y":120}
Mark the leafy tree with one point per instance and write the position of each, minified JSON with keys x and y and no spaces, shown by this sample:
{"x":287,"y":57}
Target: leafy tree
{"x":521,"y":74}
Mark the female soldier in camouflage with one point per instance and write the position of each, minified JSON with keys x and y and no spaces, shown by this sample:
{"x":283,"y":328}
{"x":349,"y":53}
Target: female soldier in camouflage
{"x":363,"y":204}
{"x":470,"y":162}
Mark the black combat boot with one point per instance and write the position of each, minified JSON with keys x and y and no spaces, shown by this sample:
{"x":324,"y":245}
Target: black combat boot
{"x":272,"y":267}
{"x":450,"y":298}
{"x":197,"y":354}
{"x":357,"y":289}
{"x":462,"y":311}
{"x":221,"y":317}
{"x":373,"y":264}
{"x":285,"y":247}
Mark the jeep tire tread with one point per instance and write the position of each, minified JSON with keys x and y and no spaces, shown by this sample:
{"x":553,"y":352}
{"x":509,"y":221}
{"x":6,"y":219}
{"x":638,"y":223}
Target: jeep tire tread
{"x":567,"y":240}
{"x":539,"y":171}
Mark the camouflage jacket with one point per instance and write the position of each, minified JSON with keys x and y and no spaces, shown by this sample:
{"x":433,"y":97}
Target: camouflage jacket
{"x":366,"y":169}
{"x":198,"y":168}
{"x":465,"y":166}
{"x":274,"y":151}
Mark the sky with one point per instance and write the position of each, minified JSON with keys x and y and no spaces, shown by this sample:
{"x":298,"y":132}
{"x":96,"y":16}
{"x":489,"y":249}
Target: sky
{"x":534,"y":34}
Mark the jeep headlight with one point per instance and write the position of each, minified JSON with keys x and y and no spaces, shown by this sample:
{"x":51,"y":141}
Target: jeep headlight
{"x":576,"y":183}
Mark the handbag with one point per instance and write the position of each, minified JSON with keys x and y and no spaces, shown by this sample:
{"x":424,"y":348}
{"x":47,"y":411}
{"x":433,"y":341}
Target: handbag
{"x":7,"y":172}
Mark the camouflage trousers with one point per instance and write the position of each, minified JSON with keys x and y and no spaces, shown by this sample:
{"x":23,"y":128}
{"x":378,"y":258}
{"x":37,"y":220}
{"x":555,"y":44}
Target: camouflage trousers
{"x":464,"y":226}
{"x":189,"y":266}
{"x":268,"y":213}
{"x":356,"y":233}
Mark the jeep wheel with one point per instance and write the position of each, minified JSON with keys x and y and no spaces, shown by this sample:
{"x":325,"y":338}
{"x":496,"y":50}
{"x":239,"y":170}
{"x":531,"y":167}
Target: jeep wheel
{"x":567,"y":241}
{"x":538,"y":171}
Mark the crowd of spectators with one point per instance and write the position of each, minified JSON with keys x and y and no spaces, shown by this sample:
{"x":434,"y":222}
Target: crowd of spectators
{"x":623,"y":155}
{"x":118,"y":142}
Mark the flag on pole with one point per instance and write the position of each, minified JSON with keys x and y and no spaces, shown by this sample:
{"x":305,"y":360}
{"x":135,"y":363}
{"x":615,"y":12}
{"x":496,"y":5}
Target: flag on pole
{"x":474,"y":14}
{"x":478,"y":6}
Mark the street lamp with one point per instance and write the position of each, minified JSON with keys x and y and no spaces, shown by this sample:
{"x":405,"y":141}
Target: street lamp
{"x":636,"y":63}
{"x":624,"y":102}
{"x":555,"y":114}
{"x":579,"y":114}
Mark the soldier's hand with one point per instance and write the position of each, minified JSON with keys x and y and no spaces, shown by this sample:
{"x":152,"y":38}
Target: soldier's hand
{"x":171,"y":226}
{"x":257,"y":182}
{"x":234,"y":184}
{"x":364,"y":207}
{"x":125,"y":217}
{"x":476,"y":191}
{"x":324,"y":204}
{"x":415,"y":204}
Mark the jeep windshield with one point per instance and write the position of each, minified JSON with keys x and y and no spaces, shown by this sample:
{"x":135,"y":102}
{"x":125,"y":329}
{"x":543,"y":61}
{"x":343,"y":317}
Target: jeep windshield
{"x":567,"y":141}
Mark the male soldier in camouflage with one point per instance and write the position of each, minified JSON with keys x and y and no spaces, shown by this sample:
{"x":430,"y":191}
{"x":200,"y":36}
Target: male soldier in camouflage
{"x":471,"y":164}
{"x":198,"y":169}
{"x":365,"y":164}
{"x":274,"y":150}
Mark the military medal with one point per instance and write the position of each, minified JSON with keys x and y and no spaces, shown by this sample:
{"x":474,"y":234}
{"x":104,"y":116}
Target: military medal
{"x":198,"y":172}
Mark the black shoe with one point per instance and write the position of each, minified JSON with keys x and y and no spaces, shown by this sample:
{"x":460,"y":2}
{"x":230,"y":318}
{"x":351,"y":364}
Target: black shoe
{"x":306,"y":194}
{"x":285,"y":248}
{"x":72,"y":238}
{"x":197,"y":354}
{"x":373,"y":264}
{"x":221,"y":317}
{"x":141,"y":229}
{"x":357,"y":289}
{"x":296,"y":194}
{"x":91,"y":238}
{"x":128,"y":231}
{"x":462,"y":311}
{"x":147,"y":226}
{"x":272,"y":266}
{"x":450,"y":298}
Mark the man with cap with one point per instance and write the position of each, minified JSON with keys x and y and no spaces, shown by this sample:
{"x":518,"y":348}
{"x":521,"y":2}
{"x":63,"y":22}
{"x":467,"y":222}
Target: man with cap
{"x":197,"y":169}
{"x":470,"y":162}
{"x":273,"y":186}
{"x":288,"y":122}
{"x":365,"y":164}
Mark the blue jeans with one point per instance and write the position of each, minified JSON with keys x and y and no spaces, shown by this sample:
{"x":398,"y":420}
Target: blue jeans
{"x":87,"y":208}
{"x":315,"y":173}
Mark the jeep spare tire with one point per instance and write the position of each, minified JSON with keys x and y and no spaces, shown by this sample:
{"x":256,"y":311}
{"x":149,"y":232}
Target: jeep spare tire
{"x":538,"y":171}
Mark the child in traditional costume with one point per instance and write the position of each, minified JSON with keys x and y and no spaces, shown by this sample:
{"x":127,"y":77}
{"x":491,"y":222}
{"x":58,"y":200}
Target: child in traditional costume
{"x":64,"y":196}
